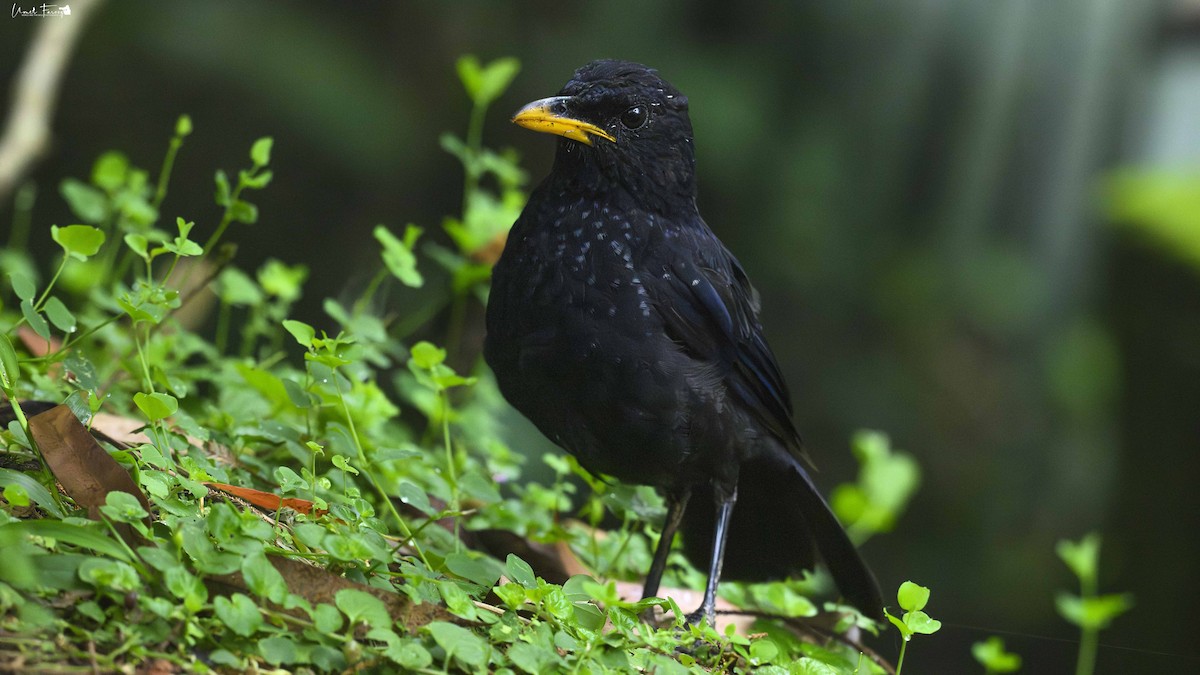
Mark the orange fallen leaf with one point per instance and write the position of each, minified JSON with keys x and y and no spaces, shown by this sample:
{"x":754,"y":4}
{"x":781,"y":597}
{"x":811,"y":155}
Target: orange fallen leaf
{"x":267,"y":500}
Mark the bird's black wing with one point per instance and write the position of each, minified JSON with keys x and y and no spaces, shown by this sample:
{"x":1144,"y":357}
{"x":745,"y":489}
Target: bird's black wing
{"x":710,"y":308}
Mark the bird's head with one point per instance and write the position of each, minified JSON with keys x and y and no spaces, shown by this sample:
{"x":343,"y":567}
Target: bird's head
{"x":621,"y":125}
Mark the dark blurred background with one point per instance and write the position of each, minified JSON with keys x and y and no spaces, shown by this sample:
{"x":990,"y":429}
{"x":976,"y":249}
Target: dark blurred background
{"x":930,"y":196}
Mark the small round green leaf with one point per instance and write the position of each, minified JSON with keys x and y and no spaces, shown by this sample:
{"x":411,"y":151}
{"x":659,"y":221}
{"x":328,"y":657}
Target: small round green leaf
{"x":22,"y":286}
{"x":1083,"y":557}
{"x":243,"y":212}
{"x":409,"y":654}
{"x":464,"y":645}
{"x":79,"y":241}
{"x":156,"y":406}
{"x":59,"y":315}
{"x":239,"y":613}
{"x":123,"y":507}
{"x":520,"y":571}
{"x":327,"y":618}
{"x":341,"y":463}
{"x":398,"y":255}
{"x":281,"y":280}
{"x":260,"y":152}
{"x":262,"y":578}
{"x":362,"y":606}
{"x":10,"y":369}
{"x":110,"y":171}
{"x":35,"y":320}
{"x":905,"y":631}
{"x":277,"y":650}
{"x":223,"y":195}
{"x":15,"y":494}
{"x":90,"y":204}
{"x":425,"y":355}
{"x":495,"y":78}
{"x":110,"y":575}
{"x":303,"y":332}
{"x":139,"y":244}
{"x":992,"y":656}
{"x":920,"y":622}
{"x":912,"y":596}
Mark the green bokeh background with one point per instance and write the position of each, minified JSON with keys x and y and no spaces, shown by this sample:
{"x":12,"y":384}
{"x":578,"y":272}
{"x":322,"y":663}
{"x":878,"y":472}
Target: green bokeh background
{"x":944,"y":205}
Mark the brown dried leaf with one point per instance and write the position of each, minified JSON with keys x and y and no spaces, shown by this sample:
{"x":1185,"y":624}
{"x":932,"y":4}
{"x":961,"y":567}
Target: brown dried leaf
{"x":121,"y":429}
{"x":86,"y":472}
{"x":125,"y":430}
{"x":319,"y":585}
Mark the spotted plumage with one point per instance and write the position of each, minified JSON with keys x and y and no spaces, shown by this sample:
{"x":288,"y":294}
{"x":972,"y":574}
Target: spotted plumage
{"x":625,"y":330}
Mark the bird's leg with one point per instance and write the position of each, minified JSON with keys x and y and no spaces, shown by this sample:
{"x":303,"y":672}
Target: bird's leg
{"x":676,"y":503}
{"x":708,"y":608}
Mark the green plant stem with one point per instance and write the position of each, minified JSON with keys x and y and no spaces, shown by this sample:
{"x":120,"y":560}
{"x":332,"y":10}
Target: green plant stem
{"x":900,"y":659}
{"x":1085,"y":664}
{"x":366,"y":470}
{"x":171,"y":269}
{"x":1088,"y":644}
{"x":474,"y":147}
{"x":72,"y":339}
{"x":164,"y":175}
{"x":47,"y":474}
{"x":625,"y":528}
{"x":226,"y":219}
{"x":53,"y":280}
{"x":121,"y":266}
{"x":451,"y":469}
{"x":142,"y":360}
{"x":134,"y":559}
{"x":360,"y":305}
{"x":583,"y":657}
{"x":415,"y":319}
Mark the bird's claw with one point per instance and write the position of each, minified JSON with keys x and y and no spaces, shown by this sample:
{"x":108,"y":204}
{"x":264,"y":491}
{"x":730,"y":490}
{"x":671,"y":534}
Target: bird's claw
{"x":703,"y":613}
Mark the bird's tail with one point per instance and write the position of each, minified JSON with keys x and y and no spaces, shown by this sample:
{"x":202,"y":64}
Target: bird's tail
{"x":780,"y":526}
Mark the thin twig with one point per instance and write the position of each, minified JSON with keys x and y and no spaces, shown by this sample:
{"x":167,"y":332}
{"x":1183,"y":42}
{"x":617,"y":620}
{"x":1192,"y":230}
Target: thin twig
{"x":35,"y":91}
{"x":812,"y":627}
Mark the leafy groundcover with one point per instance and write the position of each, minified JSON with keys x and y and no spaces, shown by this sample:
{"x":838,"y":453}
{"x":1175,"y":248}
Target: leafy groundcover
{"x":194,"y":481}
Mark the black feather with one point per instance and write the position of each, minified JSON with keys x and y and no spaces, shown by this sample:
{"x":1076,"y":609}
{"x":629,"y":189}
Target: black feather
{"x":623,"y":328}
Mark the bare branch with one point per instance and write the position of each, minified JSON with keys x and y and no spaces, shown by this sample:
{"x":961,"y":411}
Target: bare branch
{"x":35,"y":92}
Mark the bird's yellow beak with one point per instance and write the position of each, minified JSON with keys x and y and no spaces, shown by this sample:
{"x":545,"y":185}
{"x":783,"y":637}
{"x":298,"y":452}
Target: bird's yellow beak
{"x":549,"y":115}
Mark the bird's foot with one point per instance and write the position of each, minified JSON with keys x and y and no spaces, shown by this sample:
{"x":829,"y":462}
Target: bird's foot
{"x":707,"y":609}
{"x":702,"y":613}
{"x":654,"y":617}
{"x":651,"y":617}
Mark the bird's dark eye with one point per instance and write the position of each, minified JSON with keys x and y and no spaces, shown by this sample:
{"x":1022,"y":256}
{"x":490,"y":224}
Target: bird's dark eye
{"x":635,"y":117}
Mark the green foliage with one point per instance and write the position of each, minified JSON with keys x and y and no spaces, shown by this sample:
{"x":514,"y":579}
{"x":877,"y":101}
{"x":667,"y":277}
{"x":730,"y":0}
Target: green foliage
{"x":388,"y":499}
{"x":398,"y":254}
{"x":993,"y":657}
{"x":484,"y":84}
{"x":912,"y":598}
{"x":1162,"y":205}
{"x":887,"y":479}
{"x":1089,"y":610}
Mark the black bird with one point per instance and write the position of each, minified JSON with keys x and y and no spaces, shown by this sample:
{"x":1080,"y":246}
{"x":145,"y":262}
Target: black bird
{"x":623,"y":328}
